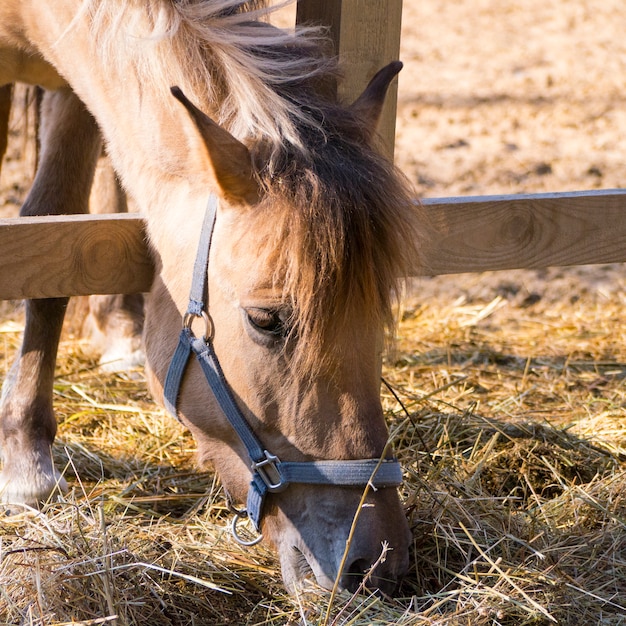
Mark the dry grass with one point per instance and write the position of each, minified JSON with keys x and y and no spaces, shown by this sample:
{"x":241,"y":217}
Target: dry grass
{"x":513,"y":441}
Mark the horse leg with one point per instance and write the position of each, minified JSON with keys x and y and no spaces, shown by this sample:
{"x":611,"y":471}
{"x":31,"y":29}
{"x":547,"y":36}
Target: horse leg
{"x":70,"y":144}
{"x":6,"y":96}
{"x":114,"y":323}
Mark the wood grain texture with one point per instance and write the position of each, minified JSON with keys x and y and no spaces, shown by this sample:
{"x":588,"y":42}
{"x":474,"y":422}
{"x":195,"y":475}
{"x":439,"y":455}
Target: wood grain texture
{"x":54,"y":256}
{"x":50,"y":256}
{"x":366,"y":36}
{"x":531,"y":231}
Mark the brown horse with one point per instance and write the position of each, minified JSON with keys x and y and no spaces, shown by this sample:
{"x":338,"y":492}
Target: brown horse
{"x":312,"y":230}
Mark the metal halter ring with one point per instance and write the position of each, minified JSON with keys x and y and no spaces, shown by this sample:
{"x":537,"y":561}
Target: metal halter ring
{"x":241,"y":515}
{"x":209,"y":328}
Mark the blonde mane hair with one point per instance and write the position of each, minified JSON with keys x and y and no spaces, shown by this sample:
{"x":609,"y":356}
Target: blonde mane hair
{"x":224,"y":54}
{"x":338,"y":220}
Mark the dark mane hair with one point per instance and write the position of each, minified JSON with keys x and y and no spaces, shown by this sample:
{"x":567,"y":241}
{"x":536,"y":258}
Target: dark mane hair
{"x":345,"y":227}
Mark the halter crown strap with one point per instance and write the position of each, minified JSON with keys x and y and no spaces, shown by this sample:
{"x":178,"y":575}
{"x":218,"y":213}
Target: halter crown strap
{"x":269,"y":474}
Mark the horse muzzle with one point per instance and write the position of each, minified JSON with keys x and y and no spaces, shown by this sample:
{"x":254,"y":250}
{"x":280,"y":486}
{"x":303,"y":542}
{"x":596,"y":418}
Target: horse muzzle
{"x":334,"y":536}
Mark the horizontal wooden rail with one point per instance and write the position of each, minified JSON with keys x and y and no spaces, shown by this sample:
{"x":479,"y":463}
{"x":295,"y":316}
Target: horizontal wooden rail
{"x":525,"y":231}
{"x":42,"y":257}
{"x":51,"y":256}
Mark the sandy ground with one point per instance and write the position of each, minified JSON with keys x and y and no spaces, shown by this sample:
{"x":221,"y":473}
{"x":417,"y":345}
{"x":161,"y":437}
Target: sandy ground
{"x":503,"y":96}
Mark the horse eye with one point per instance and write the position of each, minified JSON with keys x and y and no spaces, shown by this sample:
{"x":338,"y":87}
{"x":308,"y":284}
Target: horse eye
{"x":267,"y":321}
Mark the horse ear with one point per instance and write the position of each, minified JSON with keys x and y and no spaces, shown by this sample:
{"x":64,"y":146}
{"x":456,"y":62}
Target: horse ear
{"x":230,"y":159}
{"x":369,"y":105}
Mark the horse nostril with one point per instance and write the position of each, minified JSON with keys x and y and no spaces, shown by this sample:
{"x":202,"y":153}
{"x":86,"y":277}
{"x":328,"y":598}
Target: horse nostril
{"x":359,"y":573}
{"x":354,"y":574}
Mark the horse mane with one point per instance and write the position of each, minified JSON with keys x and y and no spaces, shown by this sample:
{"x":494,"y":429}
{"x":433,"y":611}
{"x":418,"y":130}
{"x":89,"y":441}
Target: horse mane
{"x":337,"y":217}
{"x":342,"y":230}
{"x":224,"y":54}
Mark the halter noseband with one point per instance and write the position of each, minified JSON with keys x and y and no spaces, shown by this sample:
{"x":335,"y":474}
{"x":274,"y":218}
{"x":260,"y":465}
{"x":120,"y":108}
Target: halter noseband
{"x":269,"y":474}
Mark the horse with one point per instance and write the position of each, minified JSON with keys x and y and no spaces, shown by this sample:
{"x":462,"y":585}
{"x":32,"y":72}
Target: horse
{"x":204,"y":102}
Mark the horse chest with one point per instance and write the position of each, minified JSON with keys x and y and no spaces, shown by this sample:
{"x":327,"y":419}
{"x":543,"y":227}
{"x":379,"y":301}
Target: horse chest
{"x":20,"y":58}
{"x":26,"y":67}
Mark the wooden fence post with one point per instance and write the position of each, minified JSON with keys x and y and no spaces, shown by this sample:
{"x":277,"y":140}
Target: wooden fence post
{"x":366,"y":36}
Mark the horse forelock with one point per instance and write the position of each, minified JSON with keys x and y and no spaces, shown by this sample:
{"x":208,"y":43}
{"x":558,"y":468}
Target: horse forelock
{"x":344,"y":232}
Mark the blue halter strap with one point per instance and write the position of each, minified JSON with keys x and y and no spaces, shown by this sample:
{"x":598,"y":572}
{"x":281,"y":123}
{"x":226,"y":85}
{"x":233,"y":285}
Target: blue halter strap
{"x":269,"y":474}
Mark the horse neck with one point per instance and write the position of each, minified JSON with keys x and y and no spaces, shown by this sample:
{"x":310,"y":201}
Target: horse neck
{"x":150,"y":139}
{"x":161,"y":165}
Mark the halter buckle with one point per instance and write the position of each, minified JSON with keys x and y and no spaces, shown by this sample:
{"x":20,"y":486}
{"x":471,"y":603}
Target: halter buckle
{"x":269,"y":473}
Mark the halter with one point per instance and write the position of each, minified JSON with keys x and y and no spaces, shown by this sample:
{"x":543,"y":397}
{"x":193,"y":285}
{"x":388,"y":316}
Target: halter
{"x":269,"y":474}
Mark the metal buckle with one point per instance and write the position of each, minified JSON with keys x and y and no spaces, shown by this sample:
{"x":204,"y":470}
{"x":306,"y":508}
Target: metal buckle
{"x":209,"y":328}
{"x":269,"y":473}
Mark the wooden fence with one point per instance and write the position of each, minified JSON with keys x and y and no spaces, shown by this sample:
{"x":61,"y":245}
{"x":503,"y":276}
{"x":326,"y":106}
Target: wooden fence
{"x":87,"y":254}
{"x":97,"y":254}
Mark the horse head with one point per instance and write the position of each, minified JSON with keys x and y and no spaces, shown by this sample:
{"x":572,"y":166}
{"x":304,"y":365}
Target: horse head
{"x":305,"y":250}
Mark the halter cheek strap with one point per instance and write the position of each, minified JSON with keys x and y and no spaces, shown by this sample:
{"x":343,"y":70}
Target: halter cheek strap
{"x":269,"y":474}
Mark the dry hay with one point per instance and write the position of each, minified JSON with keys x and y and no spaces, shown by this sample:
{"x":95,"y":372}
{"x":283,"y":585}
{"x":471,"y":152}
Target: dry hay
{"x":513,"y":442}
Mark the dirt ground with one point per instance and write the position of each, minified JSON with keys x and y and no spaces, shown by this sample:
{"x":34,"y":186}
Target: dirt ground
{"x":503,"y":96}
